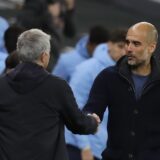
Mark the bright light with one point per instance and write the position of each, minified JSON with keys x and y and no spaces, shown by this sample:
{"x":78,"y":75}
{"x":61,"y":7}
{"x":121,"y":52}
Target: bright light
{"x":158,"y":1}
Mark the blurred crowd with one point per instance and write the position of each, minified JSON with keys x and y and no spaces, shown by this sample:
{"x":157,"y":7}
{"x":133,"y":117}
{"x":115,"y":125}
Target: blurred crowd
{"x":54,"y":17}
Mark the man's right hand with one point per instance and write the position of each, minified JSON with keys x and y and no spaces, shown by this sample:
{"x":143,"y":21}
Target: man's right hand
{"x":96,"y":117}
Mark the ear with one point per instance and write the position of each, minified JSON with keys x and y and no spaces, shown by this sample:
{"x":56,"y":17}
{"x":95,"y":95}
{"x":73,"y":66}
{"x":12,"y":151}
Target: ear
{"x":152,"y":47}
{"x":43,"y":57}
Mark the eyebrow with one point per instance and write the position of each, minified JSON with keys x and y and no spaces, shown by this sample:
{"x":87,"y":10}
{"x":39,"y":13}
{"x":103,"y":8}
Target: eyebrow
{"x":133,"y":41}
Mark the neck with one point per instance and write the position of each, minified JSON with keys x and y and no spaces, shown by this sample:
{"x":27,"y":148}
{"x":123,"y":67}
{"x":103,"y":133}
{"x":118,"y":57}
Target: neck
{"x":142,"y":70}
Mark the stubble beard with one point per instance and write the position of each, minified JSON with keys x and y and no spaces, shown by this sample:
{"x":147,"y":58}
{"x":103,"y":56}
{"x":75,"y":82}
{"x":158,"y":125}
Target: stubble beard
{"x":135,"y":65}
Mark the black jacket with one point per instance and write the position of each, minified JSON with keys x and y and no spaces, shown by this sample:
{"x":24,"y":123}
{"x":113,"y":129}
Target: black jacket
{"x":34,"y":106}
{"x":133,"y":125}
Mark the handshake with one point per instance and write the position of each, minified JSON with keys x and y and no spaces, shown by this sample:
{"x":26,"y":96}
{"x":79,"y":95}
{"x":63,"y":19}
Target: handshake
{"x":96,"y":117}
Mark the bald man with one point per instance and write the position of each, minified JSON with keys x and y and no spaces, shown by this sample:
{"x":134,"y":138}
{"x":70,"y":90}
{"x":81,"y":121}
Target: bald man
{"x":131,"y":91}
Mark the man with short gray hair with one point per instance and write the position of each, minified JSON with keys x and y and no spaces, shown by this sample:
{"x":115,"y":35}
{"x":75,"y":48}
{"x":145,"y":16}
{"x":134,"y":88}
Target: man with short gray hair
{"x":31,"y":44}
{"x":34,"y":106}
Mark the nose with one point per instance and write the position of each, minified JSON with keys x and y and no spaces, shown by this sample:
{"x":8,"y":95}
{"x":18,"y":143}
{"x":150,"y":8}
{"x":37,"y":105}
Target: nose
{"x":129,"y":47}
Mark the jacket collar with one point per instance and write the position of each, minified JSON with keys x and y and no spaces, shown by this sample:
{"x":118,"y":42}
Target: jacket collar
{"x":125,"y":70}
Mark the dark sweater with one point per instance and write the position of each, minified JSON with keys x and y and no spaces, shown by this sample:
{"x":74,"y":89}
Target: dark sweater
{"x":34,"y":106}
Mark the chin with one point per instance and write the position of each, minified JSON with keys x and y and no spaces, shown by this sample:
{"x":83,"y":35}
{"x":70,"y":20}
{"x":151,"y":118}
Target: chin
{"x":133,"y":66}
{"x":131,"y":63}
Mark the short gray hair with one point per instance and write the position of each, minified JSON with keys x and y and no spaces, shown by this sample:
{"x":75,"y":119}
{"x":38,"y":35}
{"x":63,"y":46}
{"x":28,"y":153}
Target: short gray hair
{"x":31,"y":44}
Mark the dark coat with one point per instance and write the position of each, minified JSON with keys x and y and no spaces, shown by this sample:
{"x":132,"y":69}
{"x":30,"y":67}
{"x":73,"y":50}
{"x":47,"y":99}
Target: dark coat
{"x":34,"y":106}
{"x":133,"y":125}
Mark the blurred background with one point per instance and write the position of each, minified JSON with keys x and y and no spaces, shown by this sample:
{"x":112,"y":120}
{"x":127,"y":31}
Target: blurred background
{"x":77,"y":17}
{"x":111,"y":13}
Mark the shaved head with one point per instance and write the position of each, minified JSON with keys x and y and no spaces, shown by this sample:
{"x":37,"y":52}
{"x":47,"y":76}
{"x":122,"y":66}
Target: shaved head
{"x":148,"y":30}
{"x":141,"y":43}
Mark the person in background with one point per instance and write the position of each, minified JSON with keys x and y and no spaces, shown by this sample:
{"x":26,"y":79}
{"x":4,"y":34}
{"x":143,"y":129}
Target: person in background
{"x":3,"y":27}
{"x":3,"y":53}
{"x":130,"y":90}
{"x":84,"y":49}
{"x":35,"y":14}
{"x":10,"y":41}
{"x":11,"y":36}
{"x":11,"y":61}
{"x":105,"y":55}
{"x":35,"y":106}
{"x":63,"y":16}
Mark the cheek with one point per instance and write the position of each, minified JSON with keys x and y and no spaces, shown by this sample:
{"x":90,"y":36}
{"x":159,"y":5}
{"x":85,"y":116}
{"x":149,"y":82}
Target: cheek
{"x":138,"y":53}
{"x":47,"y":59}
{"x":122,"y":51}
{"x":143,"y":55}
{"x":146,"y":55}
